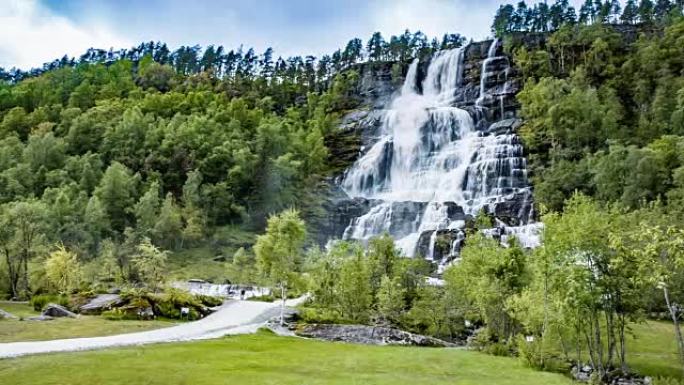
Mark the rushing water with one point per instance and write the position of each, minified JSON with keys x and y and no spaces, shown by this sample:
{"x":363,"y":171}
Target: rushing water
{"x":431,"y":167}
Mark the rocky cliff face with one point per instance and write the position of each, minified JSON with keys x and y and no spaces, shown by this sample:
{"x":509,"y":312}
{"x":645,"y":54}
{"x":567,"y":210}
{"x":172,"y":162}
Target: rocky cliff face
{"x":467,"y":136}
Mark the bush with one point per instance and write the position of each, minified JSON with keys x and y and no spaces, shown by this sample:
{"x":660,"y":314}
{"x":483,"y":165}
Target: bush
{"x":320,"y":316}
{"x":120,"y":314}
{"x":210,"y":301}
{"x":38,"y":302}
{"x":531,"y":355}
{"x":262,"y":298}
{"x":499,"y":349}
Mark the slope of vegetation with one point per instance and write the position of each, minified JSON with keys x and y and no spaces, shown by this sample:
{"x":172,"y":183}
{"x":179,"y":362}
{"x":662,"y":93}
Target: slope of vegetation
{"x":187,"y":151}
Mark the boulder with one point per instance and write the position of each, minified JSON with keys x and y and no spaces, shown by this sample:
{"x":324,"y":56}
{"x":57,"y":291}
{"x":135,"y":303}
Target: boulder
{"x":6,"y":315}
{"x":41,"y":318}
{"x":370,"y":335}
{"x":54,"y":310}
{"x":101,"y":303}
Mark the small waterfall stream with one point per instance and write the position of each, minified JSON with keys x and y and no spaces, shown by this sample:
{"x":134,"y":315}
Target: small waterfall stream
{"x":432,"y":168}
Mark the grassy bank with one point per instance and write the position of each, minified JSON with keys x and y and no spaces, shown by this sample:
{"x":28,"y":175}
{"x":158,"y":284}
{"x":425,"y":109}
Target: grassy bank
{"x":267,"y":359}
{"x":84,"y":326}
{"x":652,"y":349}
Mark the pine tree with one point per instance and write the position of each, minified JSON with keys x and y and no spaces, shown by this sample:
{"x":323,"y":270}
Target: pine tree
{"x":390,"y":299}
{"x":630,"y":12}
{"x":645,"y":11}
{"x":169,"y":226}
{"x":147,"y":209}
{"x":376,"y":47}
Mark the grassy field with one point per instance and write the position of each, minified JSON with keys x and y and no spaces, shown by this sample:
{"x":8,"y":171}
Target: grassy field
{"x":84,"y":326}
{"x":653,"y":349}
{"x":267,"y":359}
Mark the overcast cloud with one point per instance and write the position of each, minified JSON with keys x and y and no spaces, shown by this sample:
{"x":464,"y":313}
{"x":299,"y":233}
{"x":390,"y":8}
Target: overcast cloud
{"x":33,"y":32}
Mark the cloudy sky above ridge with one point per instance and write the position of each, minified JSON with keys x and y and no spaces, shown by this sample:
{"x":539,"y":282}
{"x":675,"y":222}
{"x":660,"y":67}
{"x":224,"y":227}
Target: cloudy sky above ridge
{"x":36,"y":31}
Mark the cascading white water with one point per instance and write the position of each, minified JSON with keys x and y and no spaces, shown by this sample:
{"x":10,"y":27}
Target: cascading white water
{"x":430,"y":161}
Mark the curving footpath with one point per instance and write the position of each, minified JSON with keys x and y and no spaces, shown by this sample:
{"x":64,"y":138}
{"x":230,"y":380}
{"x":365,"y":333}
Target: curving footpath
{"x":234,"y":317}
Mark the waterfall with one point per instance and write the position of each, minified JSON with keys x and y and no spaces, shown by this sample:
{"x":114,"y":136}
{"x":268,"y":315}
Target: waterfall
{"x":431,"y":168}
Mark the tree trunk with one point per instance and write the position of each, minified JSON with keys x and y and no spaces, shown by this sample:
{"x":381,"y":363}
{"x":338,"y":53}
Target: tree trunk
{"x":25,"y":280}
{"x":623,"y":347}
{"x":13,"y":274}
{"x":675,"y":320}
{"x":282,"y":305}
{"x":599,"y":345}
{"x":546,"y":320}
{"x":610,"y":336}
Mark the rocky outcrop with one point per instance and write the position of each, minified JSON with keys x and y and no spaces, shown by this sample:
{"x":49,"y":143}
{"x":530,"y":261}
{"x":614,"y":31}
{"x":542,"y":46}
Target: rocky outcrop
{"x":495,"y":179}
{"x":101,"y":303}
{"x":584,"y":373}
{"x":7,"y":315}
{"x":54,"y":310}
{"x":369,"y":335}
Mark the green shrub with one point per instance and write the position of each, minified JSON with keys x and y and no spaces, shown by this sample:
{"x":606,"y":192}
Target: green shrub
{"x":531,"y":355}
{"x":168,"y":310}
{"x":38,"y":302}
{"x":499,"y":349}
{"x":262,"y":298}
{"x":210,"y":301}
{"x":121,"y":314}
{"x":314,"y":315}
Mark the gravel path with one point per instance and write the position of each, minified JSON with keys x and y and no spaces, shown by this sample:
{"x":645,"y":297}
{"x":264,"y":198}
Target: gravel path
{"x":234,"y":317}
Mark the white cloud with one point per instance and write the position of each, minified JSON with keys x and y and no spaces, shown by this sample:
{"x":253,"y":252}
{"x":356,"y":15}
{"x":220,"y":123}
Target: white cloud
{"x":30,"y":35}
{"x":434,"y":17}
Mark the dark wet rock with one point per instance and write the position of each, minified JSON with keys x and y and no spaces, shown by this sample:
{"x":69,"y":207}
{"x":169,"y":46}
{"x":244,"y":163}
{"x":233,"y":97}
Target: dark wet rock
{"x":517,"y":210}
{"x":101,"y":303}
{"x":338,"y":214}
{"x":447,"y":244}
{"x":494,"y":113}
{"x":7,"y":315}
{"x":506,"y":126}
{"x":378,"y":81}
{"x":370,"y":335}
{"x":583,"y":373}
{"x":54,"y":310}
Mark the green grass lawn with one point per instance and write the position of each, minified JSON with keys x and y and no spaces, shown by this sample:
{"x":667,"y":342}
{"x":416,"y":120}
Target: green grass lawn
{"x":84,"y":326}
{"x":267,"y":359}
{"x":652,"y":350}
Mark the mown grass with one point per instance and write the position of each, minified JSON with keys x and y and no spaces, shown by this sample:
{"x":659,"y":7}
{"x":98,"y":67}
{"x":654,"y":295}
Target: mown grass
{"x":267,"y":359}
{"x":84,"y":326}
{"x":652,"y":350}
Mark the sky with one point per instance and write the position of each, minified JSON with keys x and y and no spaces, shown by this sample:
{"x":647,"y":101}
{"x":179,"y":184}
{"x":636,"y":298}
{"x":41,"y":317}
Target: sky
{"x":33,"y":32}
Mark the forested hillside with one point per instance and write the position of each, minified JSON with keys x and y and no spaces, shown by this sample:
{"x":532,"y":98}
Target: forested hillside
{"x":102,"y":152}
{"x":603,"y":103}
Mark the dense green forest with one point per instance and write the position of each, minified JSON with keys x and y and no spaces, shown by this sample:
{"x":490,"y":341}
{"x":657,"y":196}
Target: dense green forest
{"x":104,"y":152}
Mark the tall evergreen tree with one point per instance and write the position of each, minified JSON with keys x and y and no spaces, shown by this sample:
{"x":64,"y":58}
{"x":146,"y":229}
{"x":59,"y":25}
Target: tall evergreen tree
{"x":630,"y":12}
{"x":645,"y":11}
